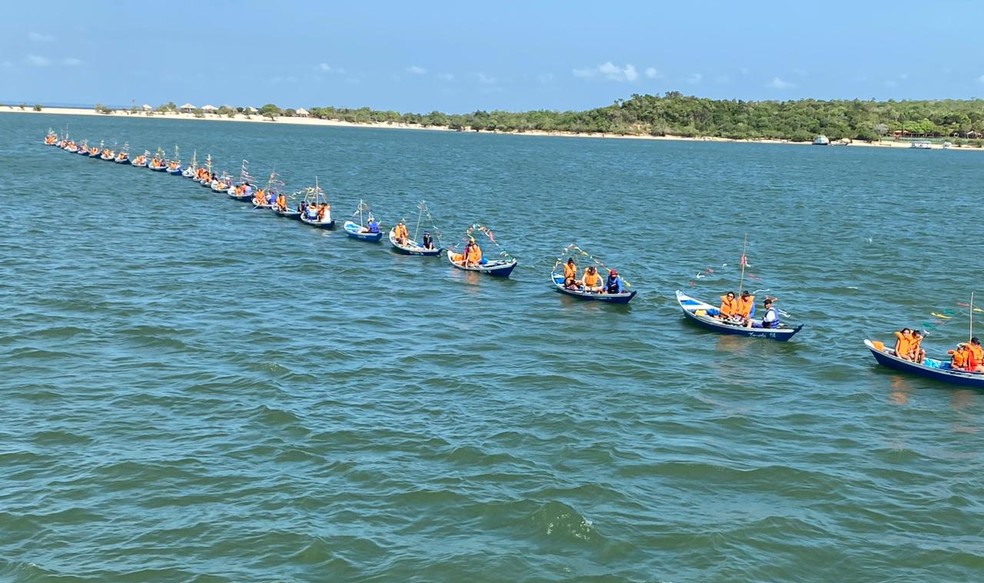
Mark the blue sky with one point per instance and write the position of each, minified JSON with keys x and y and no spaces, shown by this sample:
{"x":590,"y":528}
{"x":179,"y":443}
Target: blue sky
{"x":459,"y":57}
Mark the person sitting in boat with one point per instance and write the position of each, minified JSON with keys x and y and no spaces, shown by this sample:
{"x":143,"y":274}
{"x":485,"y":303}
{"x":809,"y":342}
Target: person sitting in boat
{"x":428,"y":241}
{"x":729,"y":306}
{"x":745,"y":307}
{"x":570,"y":270}
{"x":473,"y":253}
{"x":282,"y":202}
{"x":401,"y":233}
{"x":959,"y":357}
{"x":322,"y":209}
{"x":771,"y":317}
{"x":591,"y":280}
{"x":916,"y":352}
{"x":975,"y":356}
{"x":613,"y":285}
{"x":372,"y":226}
{"x":903,"y":344}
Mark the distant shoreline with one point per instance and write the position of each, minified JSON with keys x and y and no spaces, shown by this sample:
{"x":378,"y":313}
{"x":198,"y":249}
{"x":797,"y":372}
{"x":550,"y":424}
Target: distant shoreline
{"x":313,"y":121}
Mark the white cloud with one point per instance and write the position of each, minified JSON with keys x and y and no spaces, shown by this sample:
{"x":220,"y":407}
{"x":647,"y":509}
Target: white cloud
{"x":415,"y":70}
{"x":40,"y":38}
{"x":652,"y":73}
{"x":72,"y":62}
{"x":445,"y":76}
{"x":326,"y":68}
{"x":38,"y":60}
{"x":609,"y":71}
{"x":778,"y":83}
{"x":695,"y":78}
{"x":486,"y":79}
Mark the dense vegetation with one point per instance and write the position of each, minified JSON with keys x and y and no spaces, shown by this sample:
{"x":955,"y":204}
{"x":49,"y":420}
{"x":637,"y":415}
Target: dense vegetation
{"x":675,"y":114}
{"x":680,"y":115}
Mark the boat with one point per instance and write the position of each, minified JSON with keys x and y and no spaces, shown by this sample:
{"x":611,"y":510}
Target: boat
{"x":266,"y":198}
{"x":496,"y":267}
{"x":51,"y":138}
{"x":408,"y":246}
{"x":367,"y":230}
{"x":192,"y":170}
{"x":821,"y":140}
{"x":704,"y":314}
{"x":96,"y":151}
{"x":617,"y":298}
{"x":141,"y":160}
{"x":107,"y":155}
{"x":947,"y":145}
{"x":221,"y":184}
{"x":174,"y":164}
{"x":157,"y":163}
{"x":243,"y":189}
{"x":921,"y":145}
{"x":574,"y":289}
{"x":930,"y":367}
{"x":207,"y":176}
{"x":316,"y":210}
{"x":123,"y":156}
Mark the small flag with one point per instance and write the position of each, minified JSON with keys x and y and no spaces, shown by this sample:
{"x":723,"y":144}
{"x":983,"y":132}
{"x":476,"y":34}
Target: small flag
{"x":744,"y":260}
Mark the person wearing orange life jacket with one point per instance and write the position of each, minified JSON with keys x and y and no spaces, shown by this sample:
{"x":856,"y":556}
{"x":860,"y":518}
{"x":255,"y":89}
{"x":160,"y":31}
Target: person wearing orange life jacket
{"x":958,"y":357}
{"x":401,"y":233}
{"x":474,"y":255}
{"x":729,"y":305}
{"x":591,"y":280}
{"x":903,"y":344}
{"x":916,"y":352}
{"x":975,"y":357}
{"x":744,"y":306}
{"x":282,"y":202}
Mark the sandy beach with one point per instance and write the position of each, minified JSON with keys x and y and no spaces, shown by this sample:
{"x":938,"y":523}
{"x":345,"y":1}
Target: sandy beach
{"x":312,"y":121}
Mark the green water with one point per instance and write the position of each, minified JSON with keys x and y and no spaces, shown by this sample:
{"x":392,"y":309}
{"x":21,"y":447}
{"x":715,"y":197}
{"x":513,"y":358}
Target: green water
{"x":197,"y":391}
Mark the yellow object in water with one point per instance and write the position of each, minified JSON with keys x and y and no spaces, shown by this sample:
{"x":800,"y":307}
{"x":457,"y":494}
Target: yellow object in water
{"x":939,"y":315}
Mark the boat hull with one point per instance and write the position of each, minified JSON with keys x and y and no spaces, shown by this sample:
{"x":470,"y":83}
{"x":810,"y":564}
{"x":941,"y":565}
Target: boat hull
{"x":888,"y":359}
{"x":288,"y":214}
{"x":354,"y":231}
{"x":330,"y":224}
{"x":496,"y":268}
{"x":691,"y":306}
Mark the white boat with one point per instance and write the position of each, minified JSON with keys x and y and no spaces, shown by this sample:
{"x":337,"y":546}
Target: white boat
{"x":317,"y":211}
{"x":821,"y":140}
{"x":921,"y":145}
{"x":416,"y":246}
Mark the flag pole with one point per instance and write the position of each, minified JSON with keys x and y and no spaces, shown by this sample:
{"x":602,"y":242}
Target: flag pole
{"x":744,"y":260}
{"x":971,"y":314}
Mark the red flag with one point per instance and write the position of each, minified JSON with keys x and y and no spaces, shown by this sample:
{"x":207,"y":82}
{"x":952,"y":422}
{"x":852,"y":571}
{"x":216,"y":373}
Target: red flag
{"x":744,"y":260}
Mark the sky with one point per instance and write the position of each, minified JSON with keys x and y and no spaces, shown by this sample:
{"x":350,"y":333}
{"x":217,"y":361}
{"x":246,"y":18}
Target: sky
{"x":465,"y":56}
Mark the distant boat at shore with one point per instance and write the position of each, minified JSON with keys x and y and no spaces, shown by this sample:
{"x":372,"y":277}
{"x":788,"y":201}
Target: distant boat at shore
{"x":821,"y":140}
{"x":921,"y":145}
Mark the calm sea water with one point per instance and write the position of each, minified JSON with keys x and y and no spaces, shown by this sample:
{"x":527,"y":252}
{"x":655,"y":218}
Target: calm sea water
{"x":196,"y":391}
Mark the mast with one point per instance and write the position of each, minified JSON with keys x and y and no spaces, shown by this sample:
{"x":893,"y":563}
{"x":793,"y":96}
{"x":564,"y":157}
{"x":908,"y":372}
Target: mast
{"x":744,"y":262}
{"x":420,"y":215}
{"x":971,"y":314}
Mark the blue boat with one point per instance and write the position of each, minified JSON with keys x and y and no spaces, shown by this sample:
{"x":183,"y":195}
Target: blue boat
{"x":407,"y":246}
{"x":494,"y":267}
{"x":619,"y":298}
{"x":930,"y":368}
{"x":704,"y":314}
{"x":363,"y":231}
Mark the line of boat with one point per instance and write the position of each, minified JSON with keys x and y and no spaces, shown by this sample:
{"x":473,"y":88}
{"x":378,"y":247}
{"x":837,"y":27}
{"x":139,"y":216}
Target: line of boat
{"x":312,"y":208}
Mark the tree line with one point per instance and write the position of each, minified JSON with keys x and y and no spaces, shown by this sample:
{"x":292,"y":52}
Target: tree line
{"x":675,"y":114}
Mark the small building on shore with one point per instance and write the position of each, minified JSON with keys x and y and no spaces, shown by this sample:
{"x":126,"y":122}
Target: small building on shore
{"x":301,"y":112}
{"x":187,"y":108}
{"x":208,"y":108}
